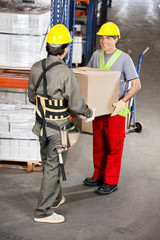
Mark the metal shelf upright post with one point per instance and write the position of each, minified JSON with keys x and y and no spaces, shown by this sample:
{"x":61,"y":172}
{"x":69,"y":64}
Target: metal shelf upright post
{"x":63,"y":12}
{"x":91,"y":29}
{"x":104,"y":8}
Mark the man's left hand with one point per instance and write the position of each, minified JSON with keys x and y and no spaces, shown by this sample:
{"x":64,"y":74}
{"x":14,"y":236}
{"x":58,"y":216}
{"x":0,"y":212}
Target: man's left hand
{"x":119,"y":106}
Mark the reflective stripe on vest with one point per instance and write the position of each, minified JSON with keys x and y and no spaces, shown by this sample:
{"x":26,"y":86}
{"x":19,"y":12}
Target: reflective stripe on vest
{"x":108,"y":65}
{"x":110,"y":62}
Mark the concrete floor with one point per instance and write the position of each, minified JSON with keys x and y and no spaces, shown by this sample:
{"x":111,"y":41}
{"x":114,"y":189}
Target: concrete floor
{"x":131,"y":213}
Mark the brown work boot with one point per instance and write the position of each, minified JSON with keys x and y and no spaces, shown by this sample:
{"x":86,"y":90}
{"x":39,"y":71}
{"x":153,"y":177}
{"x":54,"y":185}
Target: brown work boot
{"x":61,"y":202}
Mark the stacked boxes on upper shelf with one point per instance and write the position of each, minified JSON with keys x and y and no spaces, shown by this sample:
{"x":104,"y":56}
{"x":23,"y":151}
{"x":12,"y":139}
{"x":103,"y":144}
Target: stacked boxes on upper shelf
{"x":23,"y":31}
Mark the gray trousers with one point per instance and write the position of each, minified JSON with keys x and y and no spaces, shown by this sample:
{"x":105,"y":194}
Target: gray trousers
{"x":50,"y":192}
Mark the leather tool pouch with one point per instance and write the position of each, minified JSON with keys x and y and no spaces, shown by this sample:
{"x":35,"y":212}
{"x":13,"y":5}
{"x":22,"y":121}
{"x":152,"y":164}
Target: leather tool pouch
{"x":70,"y":136}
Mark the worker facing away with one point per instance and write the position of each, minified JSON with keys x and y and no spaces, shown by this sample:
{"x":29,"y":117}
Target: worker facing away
{"x":54,"y":90}
{"x":109,"y":130}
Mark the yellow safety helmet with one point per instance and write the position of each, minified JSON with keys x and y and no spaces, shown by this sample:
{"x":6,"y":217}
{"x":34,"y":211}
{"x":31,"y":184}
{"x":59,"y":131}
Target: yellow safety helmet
{"x":109,"y":29}
{"x":59,"y":34}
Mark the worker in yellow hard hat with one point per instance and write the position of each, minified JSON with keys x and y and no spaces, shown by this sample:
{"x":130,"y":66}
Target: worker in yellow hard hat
{"x":59,"y":34}
{"x":54,"y":90}
{"x":109,"y":130}
{"x":109,"y":29}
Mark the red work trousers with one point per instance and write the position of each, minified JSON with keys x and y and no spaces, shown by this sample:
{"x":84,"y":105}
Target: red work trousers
{"x":108,"y":140}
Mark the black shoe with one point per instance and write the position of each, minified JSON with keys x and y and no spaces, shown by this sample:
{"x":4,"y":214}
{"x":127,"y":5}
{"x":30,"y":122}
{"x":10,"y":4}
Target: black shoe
{"x":93,"y":182}
{"x":106,"y":189}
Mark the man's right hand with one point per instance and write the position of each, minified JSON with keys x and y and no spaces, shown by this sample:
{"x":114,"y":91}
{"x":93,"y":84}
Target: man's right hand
{"x":93,"y":116}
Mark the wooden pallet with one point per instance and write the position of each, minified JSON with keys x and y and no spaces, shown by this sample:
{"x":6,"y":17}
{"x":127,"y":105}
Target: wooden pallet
{"x":21,"y":164}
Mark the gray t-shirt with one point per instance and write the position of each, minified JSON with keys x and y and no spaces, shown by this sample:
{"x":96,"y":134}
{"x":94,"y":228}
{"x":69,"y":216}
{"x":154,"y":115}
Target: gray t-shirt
{"x":124,"y":64}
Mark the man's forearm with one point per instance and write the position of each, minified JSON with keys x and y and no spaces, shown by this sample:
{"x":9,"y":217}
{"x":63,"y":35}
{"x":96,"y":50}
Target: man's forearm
{"x":135,"y":87}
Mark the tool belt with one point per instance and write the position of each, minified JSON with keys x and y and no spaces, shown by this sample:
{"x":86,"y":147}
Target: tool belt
{"x":70,"y":134}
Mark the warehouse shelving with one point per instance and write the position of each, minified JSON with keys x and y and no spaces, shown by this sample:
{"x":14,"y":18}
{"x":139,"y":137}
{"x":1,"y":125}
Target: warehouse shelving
{"x":17,"y":79}
{"x":14,"y":78}
{"x":63,"y":12}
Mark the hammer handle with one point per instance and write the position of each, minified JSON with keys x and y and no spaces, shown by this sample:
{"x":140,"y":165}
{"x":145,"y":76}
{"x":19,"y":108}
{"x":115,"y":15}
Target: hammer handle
{"x":63,"y":171}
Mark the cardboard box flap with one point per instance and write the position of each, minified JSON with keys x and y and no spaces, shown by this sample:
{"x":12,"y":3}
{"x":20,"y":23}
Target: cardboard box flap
{"x":92,"y":71}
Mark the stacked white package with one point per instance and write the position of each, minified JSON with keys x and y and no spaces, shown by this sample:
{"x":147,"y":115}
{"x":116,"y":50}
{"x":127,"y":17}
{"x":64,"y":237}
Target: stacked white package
{"x":23,"y":36}
{"x":43,"y":2}
{"x":14,"y":96}
{"x":19,"y":121}
{"x":21,"y":51}
{"x":19,"y":147}
{"x":4,"y":123}
{"x":77,"y":50}
{"x":22,"y":121}
{"x":34,"y":22}
{"x":16,"y":138}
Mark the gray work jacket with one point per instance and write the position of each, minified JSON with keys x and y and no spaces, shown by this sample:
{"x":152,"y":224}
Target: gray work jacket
{"x":61,"y":83}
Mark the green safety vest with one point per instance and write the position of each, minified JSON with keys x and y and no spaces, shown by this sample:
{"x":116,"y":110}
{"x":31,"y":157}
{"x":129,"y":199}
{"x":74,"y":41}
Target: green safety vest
{"x":107,"y":66}
{"x":110,"y":62}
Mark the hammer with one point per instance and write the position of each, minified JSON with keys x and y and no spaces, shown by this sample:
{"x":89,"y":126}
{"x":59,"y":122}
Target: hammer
{"x":60,"y":149}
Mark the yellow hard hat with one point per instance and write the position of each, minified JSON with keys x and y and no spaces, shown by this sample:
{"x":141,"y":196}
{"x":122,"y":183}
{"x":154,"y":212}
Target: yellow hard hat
{"x":109,"y":29}
{"x":59,"y":34}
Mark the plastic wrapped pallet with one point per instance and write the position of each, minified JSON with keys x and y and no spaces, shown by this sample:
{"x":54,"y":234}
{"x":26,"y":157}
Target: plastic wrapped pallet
{"x":21,"y":50}
{"x":77,"y":50}
{"x":35,"y":22}
{"x":4,"y":124}
{"x":20,"y":121}
{"x":19,"y":147}
{"x":43,"y":2}
{"x":14,"y":96}
{"x":23,"y":32}
{"x":16,"y":138}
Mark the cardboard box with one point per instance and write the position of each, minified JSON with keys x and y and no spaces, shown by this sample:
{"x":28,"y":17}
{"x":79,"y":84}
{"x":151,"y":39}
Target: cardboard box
{"x":82,"y":125}
{"x":99,"y":88}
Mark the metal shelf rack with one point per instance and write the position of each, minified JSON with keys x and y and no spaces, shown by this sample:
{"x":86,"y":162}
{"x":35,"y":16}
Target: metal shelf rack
{"x":91,"y":29}
{"x":63,"y":12}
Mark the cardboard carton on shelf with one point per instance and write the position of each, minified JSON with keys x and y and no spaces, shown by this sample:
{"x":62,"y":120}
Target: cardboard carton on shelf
{"x":99,"y":88}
